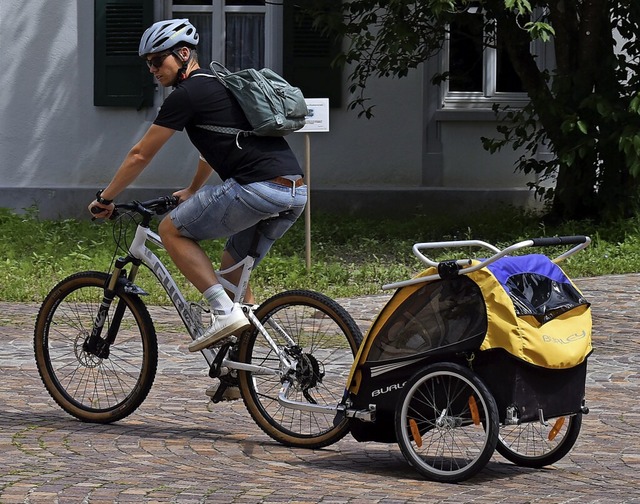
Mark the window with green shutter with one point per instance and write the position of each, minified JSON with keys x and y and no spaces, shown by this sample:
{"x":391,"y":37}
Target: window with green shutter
{"x":121,"y":77}
{"x":307,"y":57}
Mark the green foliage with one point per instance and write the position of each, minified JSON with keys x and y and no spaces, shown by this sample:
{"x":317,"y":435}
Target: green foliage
{"x":519,"y":5}
{"x":539,"y":30}
{"x":349,"y":257}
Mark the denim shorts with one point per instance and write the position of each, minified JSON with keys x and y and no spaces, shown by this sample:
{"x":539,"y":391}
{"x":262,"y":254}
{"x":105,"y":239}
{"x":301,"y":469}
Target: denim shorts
{"x":233,"y":210}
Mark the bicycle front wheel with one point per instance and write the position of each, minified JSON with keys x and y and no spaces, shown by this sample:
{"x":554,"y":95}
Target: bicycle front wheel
{"x":535,"y":444}
{"x":91,"y":388}
{"x":323,"y":339}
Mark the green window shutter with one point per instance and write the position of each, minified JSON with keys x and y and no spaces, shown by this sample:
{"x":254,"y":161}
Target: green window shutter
{"x":121,"y":78}
{"x":308,"y":55}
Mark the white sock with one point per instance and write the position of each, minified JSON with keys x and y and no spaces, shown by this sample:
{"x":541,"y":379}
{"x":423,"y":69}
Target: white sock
{"x":218,"y":299}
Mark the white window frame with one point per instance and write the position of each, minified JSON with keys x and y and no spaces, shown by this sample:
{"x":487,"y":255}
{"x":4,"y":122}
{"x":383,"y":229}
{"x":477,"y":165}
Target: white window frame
{"x":485,"y":99}
{"x":273,"y":27}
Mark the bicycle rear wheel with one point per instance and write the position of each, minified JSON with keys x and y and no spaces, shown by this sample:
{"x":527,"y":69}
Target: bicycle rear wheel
{"x":92,"y":388}
{"x":323,"y":338}
{"x":537,"y":445}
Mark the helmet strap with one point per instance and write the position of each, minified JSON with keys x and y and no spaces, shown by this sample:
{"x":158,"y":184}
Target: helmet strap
{"x":182,"y":72}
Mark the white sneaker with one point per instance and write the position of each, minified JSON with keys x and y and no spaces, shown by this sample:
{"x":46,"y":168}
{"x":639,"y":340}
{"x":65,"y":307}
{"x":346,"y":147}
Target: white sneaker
{"x":222,"y":326}
{"x":231,"y":393}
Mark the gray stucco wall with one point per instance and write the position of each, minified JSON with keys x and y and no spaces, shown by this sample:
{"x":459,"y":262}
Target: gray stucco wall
{"x":56,"y":148}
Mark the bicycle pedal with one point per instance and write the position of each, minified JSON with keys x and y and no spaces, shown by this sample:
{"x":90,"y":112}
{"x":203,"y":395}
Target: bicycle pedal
{"x":226,"y":390}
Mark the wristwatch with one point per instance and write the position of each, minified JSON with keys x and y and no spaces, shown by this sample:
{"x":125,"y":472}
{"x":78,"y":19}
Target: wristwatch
{"x":102,"y":200}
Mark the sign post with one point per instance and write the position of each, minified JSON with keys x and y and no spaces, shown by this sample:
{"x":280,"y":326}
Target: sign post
{"x":316,"y":122}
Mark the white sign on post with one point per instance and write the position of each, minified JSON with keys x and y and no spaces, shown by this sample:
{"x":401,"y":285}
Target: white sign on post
{"x":318,"y":119}
{"x":316,"y":122}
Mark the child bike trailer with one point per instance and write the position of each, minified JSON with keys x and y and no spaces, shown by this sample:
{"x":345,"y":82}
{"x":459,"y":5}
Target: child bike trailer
{"x":475,"y":355}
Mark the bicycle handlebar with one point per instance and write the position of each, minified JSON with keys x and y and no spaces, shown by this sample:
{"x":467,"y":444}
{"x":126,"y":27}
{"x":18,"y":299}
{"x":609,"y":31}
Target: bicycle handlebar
{"x":155,"y":206}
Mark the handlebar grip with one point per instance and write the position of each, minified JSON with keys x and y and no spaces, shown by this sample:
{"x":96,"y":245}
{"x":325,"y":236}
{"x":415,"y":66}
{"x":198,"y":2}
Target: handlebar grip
{"x":558,"y":240}
{"x":96,"y":210}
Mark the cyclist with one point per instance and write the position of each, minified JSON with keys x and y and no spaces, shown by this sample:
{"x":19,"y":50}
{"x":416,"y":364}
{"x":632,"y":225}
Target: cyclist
{"x":259,"y":181}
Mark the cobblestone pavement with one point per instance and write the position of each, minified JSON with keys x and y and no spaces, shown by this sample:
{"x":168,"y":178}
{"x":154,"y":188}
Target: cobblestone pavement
{"x":172,"y":449}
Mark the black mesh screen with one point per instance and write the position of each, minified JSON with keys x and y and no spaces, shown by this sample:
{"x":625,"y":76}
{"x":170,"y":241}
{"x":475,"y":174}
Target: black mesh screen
{"x":447,"y":315}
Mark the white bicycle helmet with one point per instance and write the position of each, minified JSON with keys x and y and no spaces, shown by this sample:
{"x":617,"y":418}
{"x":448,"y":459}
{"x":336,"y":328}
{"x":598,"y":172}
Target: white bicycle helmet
{"x":167,"y":34}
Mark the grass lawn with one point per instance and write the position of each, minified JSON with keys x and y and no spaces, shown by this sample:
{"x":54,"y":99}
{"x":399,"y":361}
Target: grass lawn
{"x":349,"y":256}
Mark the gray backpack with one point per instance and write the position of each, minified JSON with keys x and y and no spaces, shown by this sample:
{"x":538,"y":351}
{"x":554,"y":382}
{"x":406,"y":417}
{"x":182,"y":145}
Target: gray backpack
{"x":272,"y":106}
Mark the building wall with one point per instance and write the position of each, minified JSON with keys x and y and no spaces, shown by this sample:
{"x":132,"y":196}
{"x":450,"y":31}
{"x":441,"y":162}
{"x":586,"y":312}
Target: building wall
{"x":57,"y":149}
{"x":384,"y":151}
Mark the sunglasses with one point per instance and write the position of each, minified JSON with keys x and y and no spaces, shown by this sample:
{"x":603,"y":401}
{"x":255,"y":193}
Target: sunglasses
{"x":157,"y":61}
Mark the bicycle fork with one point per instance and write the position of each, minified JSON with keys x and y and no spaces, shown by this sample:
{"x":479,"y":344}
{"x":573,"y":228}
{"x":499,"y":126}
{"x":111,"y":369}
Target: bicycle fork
{"x":94,"y":343}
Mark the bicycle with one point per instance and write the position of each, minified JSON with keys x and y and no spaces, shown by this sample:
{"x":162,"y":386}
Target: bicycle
{"x":96,"y":346}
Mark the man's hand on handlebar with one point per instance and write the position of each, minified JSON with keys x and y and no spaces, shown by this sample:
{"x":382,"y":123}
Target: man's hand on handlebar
{"x":99,"y":211}
{"x":183,"y":194}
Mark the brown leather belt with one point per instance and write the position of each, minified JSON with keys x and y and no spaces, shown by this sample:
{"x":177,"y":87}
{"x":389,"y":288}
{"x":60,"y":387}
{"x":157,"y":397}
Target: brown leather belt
{"x":286,"y":182}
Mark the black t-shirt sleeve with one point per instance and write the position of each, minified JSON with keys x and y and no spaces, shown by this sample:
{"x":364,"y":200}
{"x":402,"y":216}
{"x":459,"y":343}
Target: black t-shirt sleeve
{"x":176,"y":111}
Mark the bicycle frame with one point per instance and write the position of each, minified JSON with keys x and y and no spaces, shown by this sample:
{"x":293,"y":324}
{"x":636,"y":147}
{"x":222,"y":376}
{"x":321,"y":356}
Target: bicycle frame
{"x":138,"y":250}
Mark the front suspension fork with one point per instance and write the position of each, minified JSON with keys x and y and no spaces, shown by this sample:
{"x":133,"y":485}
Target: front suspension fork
{"x":95,"y":344}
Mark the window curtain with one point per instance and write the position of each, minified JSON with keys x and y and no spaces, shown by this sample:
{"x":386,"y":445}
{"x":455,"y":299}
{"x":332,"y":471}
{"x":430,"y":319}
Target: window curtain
{"x":244,"y":41}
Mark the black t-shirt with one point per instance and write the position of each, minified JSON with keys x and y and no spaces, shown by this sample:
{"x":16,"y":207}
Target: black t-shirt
{"x":204,"y":100}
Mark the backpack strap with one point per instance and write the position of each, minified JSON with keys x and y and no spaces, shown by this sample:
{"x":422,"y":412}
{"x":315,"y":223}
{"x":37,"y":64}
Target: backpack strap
{"x":222,"y":129}
{"x":219,"y":74}
{"x":227,"y":131}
